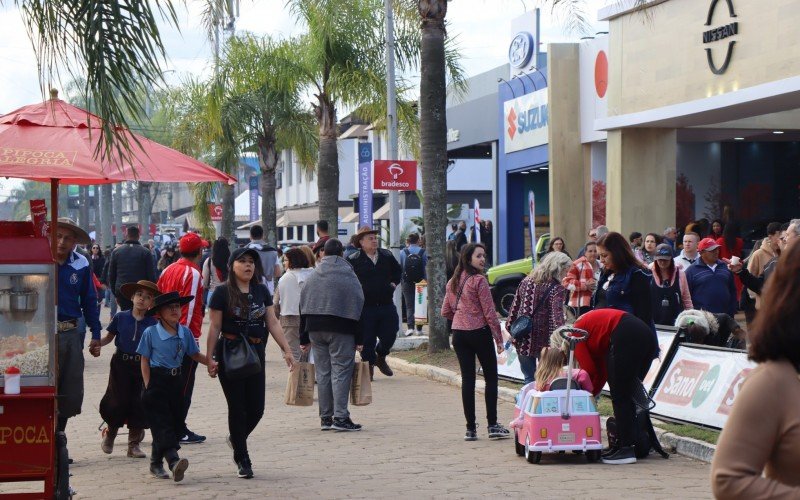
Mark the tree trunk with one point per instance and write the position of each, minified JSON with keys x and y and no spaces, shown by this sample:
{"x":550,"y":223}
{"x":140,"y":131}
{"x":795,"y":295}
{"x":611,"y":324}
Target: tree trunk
{"x":228,"y":225}
{"x":106,"y":216}
{"x":117,"y":202}
{"x":83,"y":211}
{"x":268,"y":159}
{"x":328,"y":167}
{"x":433,"y":156}
{"x":145,"y":201}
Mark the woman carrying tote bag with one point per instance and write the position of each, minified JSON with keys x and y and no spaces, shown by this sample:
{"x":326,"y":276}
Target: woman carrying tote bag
{"x":241,"y":314}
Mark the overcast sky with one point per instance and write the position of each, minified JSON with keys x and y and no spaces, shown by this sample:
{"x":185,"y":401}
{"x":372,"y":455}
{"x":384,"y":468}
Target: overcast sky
{"x":482,"y":28}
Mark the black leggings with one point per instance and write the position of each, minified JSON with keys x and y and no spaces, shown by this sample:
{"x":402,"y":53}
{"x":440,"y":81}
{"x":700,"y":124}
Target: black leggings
{"x":245,"y":404}
{"x":468,"y":344}
{"x":630,"y":355}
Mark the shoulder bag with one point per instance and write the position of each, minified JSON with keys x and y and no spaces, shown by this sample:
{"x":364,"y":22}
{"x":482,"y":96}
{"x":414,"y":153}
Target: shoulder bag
{"x":522,"y":326}
{"x":458,"y":299}
{"x":239,"y":359}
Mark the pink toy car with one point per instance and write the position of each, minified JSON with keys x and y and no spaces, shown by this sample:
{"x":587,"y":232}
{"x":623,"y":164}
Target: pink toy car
{"x":561,"y":419}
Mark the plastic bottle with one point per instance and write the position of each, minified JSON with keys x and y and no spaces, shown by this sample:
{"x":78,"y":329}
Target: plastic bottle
{"x":12,"y":379}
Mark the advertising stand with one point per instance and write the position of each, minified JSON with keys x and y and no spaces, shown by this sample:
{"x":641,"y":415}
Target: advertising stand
{"x":27,"y":341}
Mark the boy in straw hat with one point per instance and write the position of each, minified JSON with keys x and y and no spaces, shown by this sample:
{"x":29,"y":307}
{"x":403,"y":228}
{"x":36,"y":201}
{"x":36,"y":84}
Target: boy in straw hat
{"x":162,"y":348}
{"x":122,"y":402}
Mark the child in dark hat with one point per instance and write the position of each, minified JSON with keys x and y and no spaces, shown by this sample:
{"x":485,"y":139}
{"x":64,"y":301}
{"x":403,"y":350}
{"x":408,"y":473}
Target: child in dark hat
{"x":122,"y":402}
{"x":162,"y":348}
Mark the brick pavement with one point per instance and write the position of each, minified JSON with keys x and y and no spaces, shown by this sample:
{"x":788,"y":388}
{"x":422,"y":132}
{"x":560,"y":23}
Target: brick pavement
{"x":411,"y":447}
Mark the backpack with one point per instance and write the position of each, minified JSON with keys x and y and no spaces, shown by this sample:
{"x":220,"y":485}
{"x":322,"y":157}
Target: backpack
{"x":413,"y":268}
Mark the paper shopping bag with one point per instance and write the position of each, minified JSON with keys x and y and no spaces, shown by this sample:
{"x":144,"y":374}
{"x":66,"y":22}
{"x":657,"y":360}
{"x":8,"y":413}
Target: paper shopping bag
{"x":300,"y":386}
{"x":361,"y":387}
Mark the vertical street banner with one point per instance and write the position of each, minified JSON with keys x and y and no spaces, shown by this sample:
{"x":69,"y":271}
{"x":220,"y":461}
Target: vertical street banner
{"x":365,"y":184}
{"x":253,"y":198}
{"x":532,"y":222}
{"x":477,"y":222}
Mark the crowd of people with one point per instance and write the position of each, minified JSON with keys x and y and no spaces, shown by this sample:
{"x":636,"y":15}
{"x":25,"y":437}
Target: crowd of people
{"x":337,"y":301}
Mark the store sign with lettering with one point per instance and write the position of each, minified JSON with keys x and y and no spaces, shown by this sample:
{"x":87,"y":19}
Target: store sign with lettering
{"x":526,"y":121}
{"x":720,"y":33}
{"x":36,"y":157}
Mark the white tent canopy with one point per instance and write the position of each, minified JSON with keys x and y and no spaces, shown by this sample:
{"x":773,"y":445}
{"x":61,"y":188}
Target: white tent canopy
{"x":242,"y":205}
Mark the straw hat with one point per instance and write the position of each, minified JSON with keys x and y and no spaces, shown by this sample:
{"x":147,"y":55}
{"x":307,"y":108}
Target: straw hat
{"x":81,"y":236}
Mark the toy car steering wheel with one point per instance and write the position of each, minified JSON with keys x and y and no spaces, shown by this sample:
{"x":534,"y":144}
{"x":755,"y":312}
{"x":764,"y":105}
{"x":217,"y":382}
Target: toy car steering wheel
{"x":573,"y":335}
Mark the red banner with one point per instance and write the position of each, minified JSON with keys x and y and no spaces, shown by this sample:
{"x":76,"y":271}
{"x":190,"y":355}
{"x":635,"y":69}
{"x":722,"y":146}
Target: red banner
{"x":395,"y":175}
{"x":39,"y":217}
{"x":215,"y":211}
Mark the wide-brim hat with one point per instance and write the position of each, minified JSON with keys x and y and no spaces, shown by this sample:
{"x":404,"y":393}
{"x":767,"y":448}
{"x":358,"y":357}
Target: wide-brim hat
{"x":129,"y":289}
{"x":166,"y":299}
{"x":240,"y":252}
{"x":81,"y":236}
{"x":363,"y":231}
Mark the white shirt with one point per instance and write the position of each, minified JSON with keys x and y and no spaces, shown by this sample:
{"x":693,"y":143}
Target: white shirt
{"x":683,"y":261}
{"x":289,"y":287}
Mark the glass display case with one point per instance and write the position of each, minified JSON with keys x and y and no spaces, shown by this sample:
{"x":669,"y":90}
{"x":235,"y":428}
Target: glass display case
{"x":27,"y":322}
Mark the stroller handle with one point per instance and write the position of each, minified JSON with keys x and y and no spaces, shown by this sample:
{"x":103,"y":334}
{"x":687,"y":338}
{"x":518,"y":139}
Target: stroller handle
{"x":573,"y":335}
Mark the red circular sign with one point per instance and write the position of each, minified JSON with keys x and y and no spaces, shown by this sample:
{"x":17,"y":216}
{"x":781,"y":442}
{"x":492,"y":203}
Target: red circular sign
{"x":601,"y":74}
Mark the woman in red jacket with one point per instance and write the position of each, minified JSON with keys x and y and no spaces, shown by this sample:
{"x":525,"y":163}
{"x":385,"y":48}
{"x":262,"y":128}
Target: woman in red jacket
{"x":619,"y":350}
{"x":730,"y":245}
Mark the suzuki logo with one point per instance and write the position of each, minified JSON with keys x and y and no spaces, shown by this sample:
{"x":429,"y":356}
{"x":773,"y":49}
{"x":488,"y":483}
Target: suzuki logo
{"x":395,"y":170}
{"x":512,"y":123}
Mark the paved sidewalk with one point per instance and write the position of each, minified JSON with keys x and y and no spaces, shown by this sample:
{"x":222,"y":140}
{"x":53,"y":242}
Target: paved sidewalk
{"x":411,"y":447}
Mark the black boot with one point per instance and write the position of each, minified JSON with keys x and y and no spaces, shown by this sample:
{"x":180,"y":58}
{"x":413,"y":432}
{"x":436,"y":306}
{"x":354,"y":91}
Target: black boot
{"x":371,"y":372}
{"x":383,"y":366}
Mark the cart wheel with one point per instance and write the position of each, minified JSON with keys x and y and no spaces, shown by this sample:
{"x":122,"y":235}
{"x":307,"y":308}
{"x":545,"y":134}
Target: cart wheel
{"x":593,"y":456}
{"x":518,"y":447}
{"x":533,"y":457}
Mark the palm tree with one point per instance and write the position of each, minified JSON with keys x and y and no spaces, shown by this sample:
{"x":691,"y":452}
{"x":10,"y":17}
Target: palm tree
{"x":260,"y":110}
{"x":342,"y":62}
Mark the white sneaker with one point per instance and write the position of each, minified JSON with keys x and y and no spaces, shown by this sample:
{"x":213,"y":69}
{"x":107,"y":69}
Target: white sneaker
{"x":410,"y":332}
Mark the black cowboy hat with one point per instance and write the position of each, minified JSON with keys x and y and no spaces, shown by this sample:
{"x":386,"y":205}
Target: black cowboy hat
{"x":166,"y":299}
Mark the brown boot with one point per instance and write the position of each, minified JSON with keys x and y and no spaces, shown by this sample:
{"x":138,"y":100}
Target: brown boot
{"x":107,"y":443}
{"x":135,"y":437}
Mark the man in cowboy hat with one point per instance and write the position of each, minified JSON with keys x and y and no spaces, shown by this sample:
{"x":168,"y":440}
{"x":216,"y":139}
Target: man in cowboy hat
{"x":77,"y":298}
{"x":379,"y":274}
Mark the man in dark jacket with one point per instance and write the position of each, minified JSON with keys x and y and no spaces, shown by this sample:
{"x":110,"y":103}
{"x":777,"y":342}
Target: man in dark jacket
{"x":330,"y":313}
{"x":130,"y":263}
{"x":379,"y":274}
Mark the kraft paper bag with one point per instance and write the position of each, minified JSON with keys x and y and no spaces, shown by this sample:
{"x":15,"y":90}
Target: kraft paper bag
{"x":361,"y":387}
{"x":300,"y":386}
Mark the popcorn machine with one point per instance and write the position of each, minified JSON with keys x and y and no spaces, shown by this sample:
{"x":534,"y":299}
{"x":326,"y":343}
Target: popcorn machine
{"x":27,"y":347}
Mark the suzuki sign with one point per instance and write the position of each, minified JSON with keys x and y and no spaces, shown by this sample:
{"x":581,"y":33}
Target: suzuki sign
{"x":526,"y":120}
{"x":395,"y":175}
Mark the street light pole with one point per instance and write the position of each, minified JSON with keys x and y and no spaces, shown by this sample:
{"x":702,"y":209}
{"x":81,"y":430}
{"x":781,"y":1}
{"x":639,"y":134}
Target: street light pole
{"x":391,"y":150}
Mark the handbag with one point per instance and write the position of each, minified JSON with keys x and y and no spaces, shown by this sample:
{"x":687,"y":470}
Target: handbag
{"x":239,"y":359}
{"x":458,"y":298}
{"x":521,"y":327}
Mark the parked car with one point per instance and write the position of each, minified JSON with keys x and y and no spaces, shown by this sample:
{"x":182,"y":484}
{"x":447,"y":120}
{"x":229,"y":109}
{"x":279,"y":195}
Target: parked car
{"x":505,"y":278}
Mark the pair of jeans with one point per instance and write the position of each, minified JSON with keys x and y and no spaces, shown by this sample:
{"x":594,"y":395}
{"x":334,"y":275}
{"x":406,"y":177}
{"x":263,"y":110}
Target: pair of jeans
{"x":163,"y":406}
{"x":468,"y":344}
{"x":334,"y":359}
{"x":188,"y":372}
{"x":409,"y":292}
{"x":630,"y":355}
{"x":245,"y":399}
{"x":528,"y":366}
{"x":379,"y":325}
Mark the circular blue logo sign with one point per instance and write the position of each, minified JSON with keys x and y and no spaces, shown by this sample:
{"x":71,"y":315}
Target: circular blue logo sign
{"x":520,"y":50}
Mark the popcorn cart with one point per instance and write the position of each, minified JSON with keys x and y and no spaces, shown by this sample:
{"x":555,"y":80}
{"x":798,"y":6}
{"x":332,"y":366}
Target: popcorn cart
{"x":27,"y":348}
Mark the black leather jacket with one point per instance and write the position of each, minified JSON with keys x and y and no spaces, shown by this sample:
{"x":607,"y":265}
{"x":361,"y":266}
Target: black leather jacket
{"x":128,"y":264}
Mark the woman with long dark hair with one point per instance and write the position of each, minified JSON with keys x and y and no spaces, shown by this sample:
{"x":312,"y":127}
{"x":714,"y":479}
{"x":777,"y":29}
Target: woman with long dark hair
{"x":241,"y":310}
{"x":625,"y":282}
{"x":759,"y":448}
{"x":716,"y":229}
{"x":648,"y":251}
{"x":476,"y":332}
{"x":669,"y":289}
{"x":557,"y":244}
{"x":97,"y":260}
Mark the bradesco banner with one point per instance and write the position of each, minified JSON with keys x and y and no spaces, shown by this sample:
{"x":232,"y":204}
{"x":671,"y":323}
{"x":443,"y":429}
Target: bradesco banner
{"x":395,"y":175}
{"x":526,"y":121}
{"x":701,"y":385}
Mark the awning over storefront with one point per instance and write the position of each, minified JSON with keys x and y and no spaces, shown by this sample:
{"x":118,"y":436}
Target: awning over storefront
{"x":380,"y":214}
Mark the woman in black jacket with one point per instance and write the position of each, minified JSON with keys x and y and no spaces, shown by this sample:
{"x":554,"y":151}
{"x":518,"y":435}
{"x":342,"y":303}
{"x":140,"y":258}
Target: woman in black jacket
{"x":98,"y":261}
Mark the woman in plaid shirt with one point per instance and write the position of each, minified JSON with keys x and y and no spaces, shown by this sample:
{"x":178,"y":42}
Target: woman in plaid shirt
{"x":581,"y":280}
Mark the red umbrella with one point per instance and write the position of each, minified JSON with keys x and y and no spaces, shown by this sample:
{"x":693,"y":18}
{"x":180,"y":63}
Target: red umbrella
{"x":56,"y":140}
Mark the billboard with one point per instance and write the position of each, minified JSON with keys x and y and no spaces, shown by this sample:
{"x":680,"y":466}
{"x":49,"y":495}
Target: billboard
{"x":526,"y":121}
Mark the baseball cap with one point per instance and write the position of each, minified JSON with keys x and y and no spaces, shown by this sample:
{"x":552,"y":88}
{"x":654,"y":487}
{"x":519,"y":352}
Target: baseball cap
{"x":663,"y":252}
{"x":190,"y":243}
{"x":240,"y":252}
{"x":707,"y":244}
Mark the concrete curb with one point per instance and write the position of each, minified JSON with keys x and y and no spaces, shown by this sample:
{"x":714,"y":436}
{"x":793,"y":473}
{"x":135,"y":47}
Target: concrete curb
{"x":689,"y":447}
